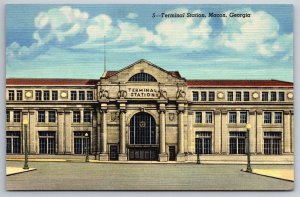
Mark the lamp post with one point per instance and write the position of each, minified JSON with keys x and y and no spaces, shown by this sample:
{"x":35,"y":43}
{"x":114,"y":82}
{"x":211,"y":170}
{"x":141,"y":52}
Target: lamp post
{"x":198,"y":149}
{"x":86,"y":147}
{"x":25,"y":124}
{"x":249,"y":169}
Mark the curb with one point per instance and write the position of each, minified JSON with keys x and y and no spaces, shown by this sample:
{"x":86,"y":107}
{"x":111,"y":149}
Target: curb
{"x":243,"y":170}
{"x":29,"y":170}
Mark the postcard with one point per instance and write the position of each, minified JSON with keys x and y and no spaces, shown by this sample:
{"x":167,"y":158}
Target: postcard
{"x":149,"y":97}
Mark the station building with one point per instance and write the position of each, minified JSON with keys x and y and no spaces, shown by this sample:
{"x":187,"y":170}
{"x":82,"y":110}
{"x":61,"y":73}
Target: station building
{"x":143,"y":112}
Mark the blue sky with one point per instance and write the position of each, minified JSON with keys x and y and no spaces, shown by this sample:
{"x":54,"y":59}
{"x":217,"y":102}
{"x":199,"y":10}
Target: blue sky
{"x":66,"y":41}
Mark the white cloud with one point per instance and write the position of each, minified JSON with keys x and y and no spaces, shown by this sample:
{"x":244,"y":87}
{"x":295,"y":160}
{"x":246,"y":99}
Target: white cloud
{"x":132,"y":15}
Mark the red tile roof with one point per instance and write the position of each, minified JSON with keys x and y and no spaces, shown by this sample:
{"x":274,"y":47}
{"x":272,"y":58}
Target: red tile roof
{"x":51,"y":82}
{"x":238,"y":83}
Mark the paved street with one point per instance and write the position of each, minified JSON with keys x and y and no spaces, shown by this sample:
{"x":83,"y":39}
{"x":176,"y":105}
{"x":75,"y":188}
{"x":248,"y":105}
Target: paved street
{"x":105,"y":176}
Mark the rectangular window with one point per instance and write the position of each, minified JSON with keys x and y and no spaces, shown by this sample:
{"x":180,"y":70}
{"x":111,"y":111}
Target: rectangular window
{"x":208,"y":117}
{"x":76,"y":116}
{"x":195,"y":96}
{"x":238,"y":96}
{"x":203,"y":142}
{"x":38,"y":95}
{"x":81,"y":143}
{"x":243,"y":117}
{"x":281,"y":96}
{"x":19,"y":95}
{"x":89,"y":95}
{"x":211,"y":96}
{"x":237,"y":142}
{"x":41,"y":116}
{"x":81,"y":95}
{"x":13,"y":142}
{"x":11,"y":95}
{"x":54,"y":95}
{"x":203,"y":96}
{"x":232,"y":117}
{"x":229,"y":96}
{"x":17,"y":116}
{"x":264,"y":96}
{"x":246,"y":96}
{"x":272,"y":143}
{"x":198,"y":117}
{"x":46,"y":95}
{"x":273,"y":96}
{"x":86,"y":116}
{"x":73,"y":95}
{"x":267,"y":117}
{"x":278,"y":117}
{"x":52,"y":116}
{"x":7,"y":116}
{"x":47,"y":142}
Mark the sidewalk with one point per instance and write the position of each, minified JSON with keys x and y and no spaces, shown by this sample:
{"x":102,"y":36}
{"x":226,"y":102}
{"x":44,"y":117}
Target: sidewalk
{"x":16,"y":170}
{"x":284,"y":174}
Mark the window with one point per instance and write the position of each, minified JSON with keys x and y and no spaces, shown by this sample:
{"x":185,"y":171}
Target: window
{"x":237,"y":142}
{"x":86,"y":116}
{"x":232,"y":117}
{"x":246,"y":96}
{"x":73,"y":95}
{"x":238,"y":96}
{"x":38,"y":95}
{"x":46,"y":95}
{"x":52,"y":116}
{"x":17,"y":116}
{"x":81,"y":142}
{"x":211,"y":96}
{"x":272,"y":143}
{"x":198,"y":117}
{"x":281,"y":96}
{"x":267,"y":117}
{"x":54,"y":95}
{"x":195,"y":96}
{"x":11,"y":95}
{"x":142,"y":77}
{"x":208,"y":117}
{"x":243,"y":117}
{"x":278,"y":117}
{"x":19,"y":95}
{"x":81,"y":95}
{"x":89,"y":95}
{"x":76,"y":116}
{"x":41,"y":116}
{"x":264,"y":96}
{"x":47,"y":142}
{"x":203,"y":143}
{"x":273,"y":96}
{"x":203,"y":96}
{"x":7,"y":116}
{"x":229,"y":96}
{"x":13,"y":142}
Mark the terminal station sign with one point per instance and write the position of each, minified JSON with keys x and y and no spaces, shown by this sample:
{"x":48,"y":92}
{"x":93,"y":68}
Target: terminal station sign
{"x":143,"y":92}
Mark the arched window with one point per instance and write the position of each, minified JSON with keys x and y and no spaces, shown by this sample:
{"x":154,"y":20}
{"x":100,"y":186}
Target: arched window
{"x":142,"y":77}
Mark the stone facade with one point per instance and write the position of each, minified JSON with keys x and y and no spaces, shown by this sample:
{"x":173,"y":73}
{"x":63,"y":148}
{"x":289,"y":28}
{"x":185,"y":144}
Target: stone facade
{"x":170,"y":109}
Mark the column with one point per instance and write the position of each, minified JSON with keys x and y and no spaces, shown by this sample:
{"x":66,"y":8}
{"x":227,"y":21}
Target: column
{"x":104,"y":155}
{"x":259,"y":135}
{"x":292,"y":131}
{"x":33,"y":134}
{"x":162,"y":135}
{"x":217,"y":134}
{"x":98,"y":131}
{"x":60,"y":130}
{"x":287,"y":132}
{"x":180,"y":155}
{"x":190,"y":136}
{"x":253,"y":131}
{"x":224,"y":134}
{"x":122,"y":155}
{"x":68,"y":132}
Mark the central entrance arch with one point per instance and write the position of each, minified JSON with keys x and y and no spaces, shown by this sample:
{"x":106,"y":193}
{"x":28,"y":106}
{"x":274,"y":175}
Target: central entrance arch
{"x":142,"y":143}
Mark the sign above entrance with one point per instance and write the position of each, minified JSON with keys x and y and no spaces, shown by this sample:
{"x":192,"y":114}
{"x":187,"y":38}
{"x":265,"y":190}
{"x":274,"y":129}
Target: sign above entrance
{"x":143,"y":92}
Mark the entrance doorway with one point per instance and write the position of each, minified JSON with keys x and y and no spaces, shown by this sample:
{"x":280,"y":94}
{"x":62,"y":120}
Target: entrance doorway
{"x":113,"y":152}
{"x":143,"y":145}
{"x":172,"y":153}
